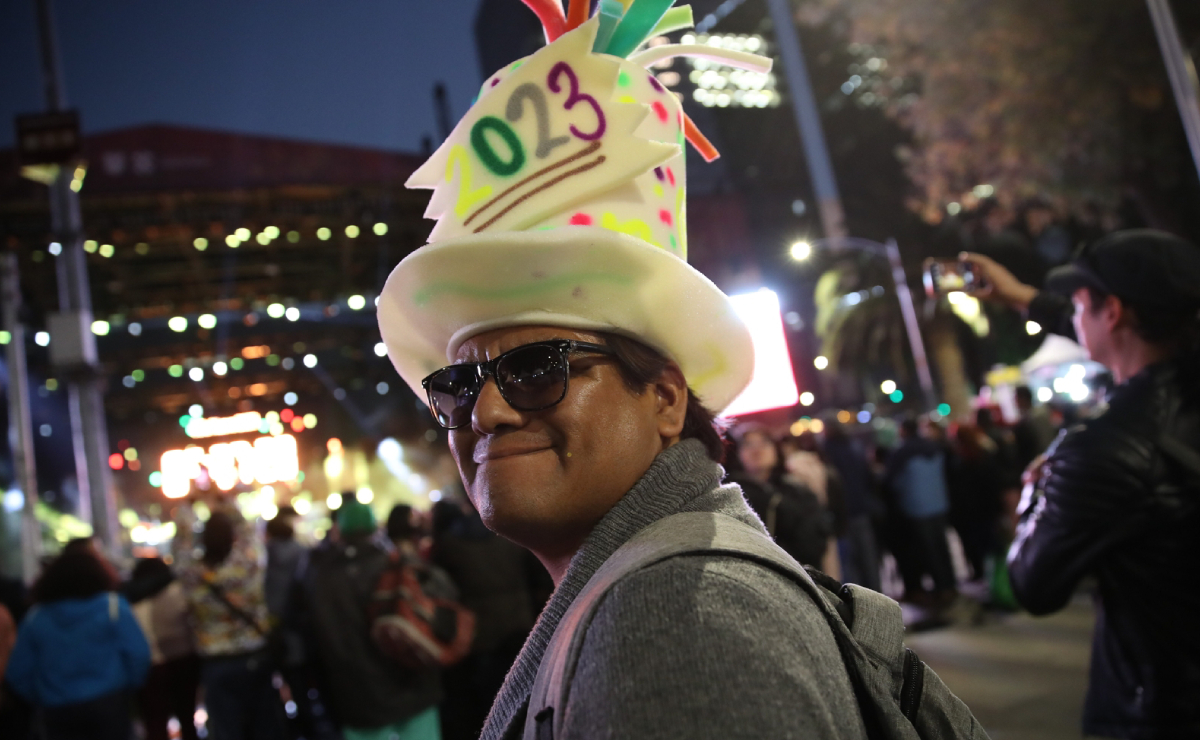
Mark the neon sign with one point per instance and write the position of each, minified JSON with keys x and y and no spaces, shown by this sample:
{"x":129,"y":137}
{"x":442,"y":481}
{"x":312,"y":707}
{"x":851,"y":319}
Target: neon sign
{"x":222,"y":426}
{"x":266,"y":460}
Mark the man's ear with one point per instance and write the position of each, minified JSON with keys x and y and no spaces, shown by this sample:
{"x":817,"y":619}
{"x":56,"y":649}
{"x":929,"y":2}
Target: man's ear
{"x":671,"y":397}
{"x":1116,"y":313}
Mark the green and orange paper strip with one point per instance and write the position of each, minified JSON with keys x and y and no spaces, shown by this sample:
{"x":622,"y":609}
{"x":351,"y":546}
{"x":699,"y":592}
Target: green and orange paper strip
{"x":624,"y":25}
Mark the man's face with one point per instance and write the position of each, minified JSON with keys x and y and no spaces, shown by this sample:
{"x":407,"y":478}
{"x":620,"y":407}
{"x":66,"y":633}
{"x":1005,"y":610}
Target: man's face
{"x":1093,"y":326}
{"x":545,"y":478}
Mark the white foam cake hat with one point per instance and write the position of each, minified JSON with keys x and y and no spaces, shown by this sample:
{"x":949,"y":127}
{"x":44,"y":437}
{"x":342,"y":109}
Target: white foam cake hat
{"x":560,"y":201}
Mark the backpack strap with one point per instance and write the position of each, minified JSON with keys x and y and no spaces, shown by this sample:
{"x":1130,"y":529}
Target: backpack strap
{"x":237,"y":611}
{"x":697,"y":533}
{"x":114,"y":606}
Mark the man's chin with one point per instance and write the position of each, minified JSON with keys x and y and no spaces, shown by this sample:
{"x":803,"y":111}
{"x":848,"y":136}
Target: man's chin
{"x":519,"y":516}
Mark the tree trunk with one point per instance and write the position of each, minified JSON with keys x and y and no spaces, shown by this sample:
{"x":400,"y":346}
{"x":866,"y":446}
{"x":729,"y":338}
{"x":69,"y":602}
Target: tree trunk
{"x":947,"y":358}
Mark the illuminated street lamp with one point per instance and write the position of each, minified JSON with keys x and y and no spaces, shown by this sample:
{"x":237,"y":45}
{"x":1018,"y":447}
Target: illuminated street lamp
{"x":801,"y":251}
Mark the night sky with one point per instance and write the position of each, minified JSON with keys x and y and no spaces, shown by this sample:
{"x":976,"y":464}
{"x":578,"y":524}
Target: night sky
{"x":344,"y":71}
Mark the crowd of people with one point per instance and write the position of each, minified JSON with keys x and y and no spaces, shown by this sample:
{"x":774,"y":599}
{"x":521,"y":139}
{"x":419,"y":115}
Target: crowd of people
{"x":841,"y":503}
{"x":613,"y":579}
{"x":249,"y":634}
{"x":270,"y":638}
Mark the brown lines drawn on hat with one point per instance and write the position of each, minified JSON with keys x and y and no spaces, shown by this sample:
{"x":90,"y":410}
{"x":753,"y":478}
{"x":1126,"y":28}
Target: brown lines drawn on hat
{"x":548,"y":184}
{"x":589,"y":149}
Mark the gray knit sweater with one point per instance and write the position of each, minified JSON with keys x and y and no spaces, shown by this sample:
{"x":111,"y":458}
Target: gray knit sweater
{"x":694,"y":647}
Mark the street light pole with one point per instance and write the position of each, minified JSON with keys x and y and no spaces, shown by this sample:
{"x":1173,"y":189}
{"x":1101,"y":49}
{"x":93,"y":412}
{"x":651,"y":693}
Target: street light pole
{"x":20,"y":422}
{"x":72,"y":340}
{"x":808,"y":119}
{"x":1182,"y":72}
{"x":904,"y":296}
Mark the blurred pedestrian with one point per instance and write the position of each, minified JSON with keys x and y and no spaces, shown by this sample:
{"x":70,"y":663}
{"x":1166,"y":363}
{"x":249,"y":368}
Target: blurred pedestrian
{"x":494,"y":581}
{"x":858,"y":546}
{"x":805,"y":465}
{"x":15,"y":712}
{"x":916,"y":478}
{"x":161,"y":609}
{"x":1034,"y":430}
{"x":8,"y":637}
{"x":372,"y":697}
{"x":976,"y":487}
{"x":1117,"y":497}
{"x":80,"y":653}
{"x":791,"y":512}
{"x":228,"y":609}
{"x":1038,"y":222}
{"x":1004,"y":443}
{"x":285,"y":560}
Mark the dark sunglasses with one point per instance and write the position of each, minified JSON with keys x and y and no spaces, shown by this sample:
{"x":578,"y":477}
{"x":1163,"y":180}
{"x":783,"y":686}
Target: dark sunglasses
{"x":531,"y":377}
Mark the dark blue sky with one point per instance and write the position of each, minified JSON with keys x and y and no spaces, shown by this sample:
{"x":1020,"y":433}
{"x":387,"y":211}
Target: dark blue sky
{"x":346,"y":71}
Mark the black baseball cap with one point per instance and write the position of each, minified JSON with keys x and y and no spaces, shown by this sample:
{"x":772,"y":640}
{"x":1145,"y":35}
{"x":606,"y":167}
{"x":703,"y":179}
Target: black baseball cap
{"x":1143,"y":267}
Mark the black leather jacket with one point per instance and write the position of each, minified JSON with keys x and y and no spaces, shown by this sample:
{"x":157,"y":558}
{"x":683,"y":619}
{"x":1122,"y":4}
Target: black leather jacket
{"x":1113,"y":505}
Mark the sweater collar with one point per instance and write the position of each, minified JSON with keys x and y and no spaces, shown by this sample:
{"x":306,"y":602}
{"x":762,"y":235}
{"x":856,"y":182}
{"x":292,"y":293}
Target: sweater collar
{"x":677,"y":477}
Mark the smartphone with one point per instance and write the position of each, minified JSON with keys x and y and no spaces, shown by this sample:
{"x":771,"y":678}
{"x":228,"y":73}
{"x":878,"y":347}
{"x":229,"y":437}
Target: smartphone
{"x":947,"y":276}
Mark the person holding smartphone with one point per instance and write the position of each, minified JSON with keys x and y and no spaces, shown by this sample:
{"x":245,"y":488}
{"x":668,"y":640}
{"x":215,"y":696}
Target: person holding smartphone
{"x":1118,"y":496}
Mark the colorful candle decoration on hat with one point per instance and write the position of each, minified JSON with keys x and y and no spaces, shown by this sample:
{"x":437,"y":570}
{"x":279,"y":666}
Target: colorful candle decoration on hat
{"x":577,"y":14}
{"x":624,"y":25}
{"x":675,"y":19}
{"x":576,"y":134}
{"x":550,"y":13}
{"x":639,"y":20}
{"x":609,"y":13}
{"x":699,"y":140}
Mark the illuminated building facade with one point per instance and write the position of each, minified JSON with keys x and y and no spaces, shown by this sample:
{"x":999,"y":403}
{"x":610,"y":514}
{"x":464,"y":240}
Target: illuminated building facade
{"x":233,"y":278}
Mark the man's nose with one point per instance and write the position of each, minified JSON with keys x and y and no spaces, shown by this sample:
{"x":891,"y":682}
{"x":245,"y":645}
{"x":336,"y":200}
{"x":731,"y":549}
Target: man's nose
{"x":492,"y":411}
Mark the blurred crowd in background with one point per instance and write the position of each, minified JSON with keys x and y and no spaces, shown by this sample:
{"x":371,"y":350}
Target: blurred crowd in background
{"x":243,"y":631}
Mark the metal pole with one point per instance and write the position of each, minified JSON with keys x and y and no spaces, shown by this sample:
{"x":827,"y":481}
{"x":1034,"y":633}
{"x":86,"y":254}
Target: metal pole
{"x":20,"y":424}
{"x":1182,"y":72}
{"x":89,"y":431}
{"x":808,"y":119}
{"x":910,"y":322}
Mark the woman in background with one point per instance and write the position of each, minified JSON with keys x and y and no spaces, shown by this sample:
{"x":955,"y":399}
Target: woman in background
{"x":790,"y":511}
{"x":80,"y":653}
{"x":228,"y":610}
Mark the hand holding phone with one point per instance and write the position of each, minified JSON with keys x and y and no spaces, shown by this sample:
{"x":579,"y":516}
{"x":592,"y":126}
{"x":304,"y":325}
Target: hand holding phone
{"x":996,"y":284}
{"x":944,"y":276}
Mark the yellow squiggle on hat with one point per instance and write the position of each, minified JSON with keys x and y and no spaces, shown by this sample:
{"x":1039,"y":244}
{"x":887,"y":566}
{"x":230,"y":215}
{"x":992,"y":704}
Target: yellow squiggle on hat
{"x":634,"y":227}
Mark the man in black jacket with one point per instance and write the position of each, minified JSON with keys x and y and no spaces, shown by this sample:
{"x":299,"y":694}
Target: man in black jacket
{"x":1119,"y":496}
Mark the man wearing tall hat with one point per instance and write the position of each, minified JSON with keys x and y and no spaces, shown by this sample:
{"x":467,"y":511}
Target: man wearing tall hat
{"x":554,"y":326}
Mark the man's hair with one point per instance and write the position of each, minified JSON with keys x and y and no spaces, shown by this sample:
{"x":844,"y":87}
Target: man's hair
{"x":1156,"y":326}
{"x":641,"y":365}
{"x":1023,"y":394}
